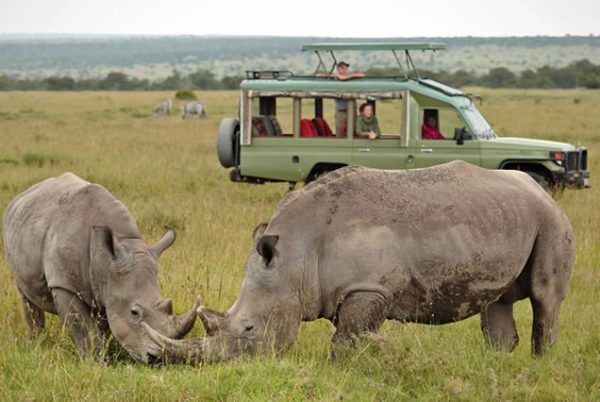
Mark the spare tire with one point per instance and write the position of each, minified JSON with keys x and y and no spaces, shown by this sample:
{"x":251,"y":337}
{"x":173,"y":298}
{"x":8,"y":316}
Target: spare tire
{"x":226,"y":136}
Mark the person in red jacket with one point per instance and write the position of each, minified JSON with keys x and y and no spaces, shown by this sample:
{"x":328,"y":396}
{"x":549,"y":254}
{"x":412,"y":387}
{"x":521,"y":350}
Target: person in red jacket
{"x":429,"y":130}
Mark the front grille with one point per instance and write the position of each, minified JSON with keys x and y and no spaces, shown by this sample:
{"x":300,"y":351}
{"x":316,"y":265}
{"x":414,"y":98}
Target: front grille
{"x":583,"y":159}
{"x":571,"y":162}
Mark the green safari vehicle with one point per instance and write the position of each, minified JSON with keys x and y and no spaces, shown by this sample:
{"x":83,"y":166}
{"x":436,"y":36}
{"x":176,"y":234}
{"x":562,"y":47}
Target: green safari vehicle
{"x":296,"y":128}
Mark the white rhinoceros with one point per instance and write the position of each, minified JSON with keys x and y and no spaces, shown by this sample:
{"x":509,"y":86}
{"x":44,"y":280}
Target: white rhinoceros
{"x":431,"y":246}
{"x":76,"y":251}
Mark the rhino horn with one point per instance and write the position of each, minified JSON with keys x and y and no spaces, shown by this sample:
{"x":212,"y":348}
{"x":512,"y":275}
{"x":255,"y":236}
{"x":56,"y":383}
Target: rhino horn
{"x":212,"y":320}
{"x":164,"y":243}
{"x":184,"y":323}
{"x":176,"y":351}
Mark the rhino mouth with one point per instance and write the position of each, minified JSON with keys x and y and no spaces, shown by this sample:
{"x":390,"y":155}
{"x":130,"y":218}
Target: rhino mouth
{"x":154,"y":357}
{"x":171,"y":350}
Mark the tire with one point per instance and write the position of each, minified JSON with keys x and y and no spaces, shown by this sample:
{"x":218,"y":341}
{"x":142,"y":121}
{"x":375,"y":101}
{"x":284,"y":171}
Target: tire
{"x":225,"y":141}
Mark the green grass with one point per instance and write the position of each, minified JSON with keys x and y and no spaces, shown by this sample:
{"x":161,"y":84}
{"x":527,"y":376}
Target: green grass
{"x":166,"y":172}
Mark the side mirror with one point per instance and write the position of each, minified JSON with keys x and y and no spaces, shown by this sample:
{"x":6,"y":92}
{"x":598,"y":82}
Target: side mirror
{"x":461,"y":134}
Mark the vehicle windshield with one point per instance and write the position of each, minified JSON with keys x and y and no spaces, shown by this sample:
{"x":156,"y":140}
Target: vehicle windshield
{"x":478,"y":123}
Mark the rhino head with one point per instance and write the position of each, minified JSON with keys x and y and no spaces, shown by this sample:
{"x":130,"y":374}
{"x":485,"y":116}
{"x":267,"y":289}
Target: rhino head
{"x":266,"y":315}
{"x":123,"y":274}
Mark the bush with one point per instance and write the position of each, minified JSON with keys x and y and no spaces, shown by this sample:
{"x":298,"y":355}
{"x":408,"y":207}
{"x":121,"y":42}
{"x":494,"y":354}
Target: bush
{"x":185,"y":94}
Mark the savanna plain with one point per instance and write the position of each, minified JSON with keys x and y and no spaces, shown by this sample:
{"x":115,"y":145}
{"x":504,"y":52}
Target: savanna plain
{"x":165,"y":170}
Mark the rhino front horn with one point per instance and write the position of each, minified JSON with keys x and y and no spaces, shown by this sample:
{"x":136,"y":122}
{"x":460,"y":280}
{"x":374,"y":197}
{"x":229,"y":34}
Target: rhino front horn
{"x":185,"y":322}
{"x":176,"y":351}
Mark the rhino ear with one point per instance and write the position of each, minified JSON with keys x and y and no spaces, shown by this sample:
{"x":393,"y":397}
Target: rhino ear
{"x":259,"y":230}
{"x":266,"y":247}
{"x":104,"y":240}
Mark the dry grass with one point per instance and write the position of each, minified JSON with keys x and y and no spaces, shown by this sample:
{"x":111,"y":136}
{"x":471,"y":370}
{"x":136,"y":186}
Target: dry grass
{"x":166,"y":171}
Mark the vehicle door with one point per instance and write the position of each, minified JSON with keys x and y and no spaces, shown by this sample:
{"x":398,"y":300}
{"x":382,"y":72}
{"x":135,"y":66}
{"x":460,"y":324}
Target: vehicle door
{"x":430,"y":152}
{"x":388,"y":151}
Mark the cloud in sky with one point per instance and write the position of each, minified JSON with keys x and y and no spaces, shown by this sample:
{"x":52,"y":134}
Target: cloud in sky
{"x":374,"y":18}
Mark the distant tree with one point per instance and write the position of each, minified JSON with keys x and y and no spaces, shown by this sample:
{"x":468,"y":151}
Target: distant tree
{"x":59,"y":83}
{"x":499,"y":77}
{"x":185,"y":94}
{"x":462,"y":78}
{"x":114,"y":81}
{"x":91,"y":84}
{"x":6,"y":83}
{"x":203,"y":79}
{"x":231,"y":82}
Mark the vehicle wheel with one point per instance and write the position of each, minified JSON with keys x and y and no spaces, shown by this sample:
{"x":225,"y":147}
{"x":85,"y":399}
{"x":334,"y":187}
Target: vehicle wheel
{"x":225,"y":141}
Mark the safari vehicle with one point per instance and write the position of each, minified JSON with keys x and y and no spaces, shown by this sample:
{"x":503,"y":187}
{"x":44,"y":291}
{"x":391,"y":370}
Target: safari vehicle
{"x":284,"y":131}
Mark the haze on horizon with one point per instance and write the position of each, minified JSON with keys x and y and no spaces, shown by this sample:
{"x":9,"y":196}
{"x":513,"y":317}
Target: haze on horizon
{"x":376,"y":18}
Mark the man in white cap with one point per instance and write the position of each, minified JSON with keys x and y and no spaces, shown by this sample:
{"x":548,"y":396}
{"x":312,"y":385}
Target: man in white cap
{"x":341,"y":105}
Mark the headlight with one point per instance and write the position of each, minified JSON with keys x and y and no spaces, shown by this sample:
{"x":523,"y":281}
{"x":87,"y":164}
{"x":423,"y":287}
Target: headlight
{"x":558,"y":157}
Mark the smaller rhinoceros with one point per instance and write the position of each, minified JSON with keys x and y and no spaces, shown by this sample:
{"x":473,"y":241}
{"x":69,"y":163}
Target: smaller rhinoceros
{"x":192,"y":108}
{"x":76,"y":251}
{"x":163,"y":108}
{"x":431,"y":246}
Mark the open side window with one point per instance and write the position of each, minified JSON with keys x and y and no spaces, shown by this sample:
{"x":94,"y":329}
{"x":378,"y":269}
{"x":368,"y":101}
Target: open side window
{"x":272,"y":116}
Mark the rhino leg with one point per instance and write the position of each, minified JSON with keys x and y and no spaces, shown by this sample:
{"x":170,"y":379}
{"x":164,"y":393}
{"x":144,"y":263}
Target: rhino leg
{"x":34,"y":316}
{"x":552,"y":258}
{"x":358,"y":314}
{"x":545,"y":325}
{"x":498,"y":326}
{"x":77,"y":319}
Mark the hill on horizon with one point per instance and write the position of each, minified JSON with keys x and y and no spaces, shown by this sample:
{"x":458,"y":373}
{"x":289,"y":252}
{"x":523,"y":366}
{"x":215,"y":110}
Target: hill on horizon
{"x":155,"y":57}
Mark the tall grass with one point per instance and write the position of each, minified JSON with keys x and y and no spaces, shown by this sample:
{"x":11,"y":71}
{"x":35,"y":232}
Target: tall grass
{"x":166,"y":172}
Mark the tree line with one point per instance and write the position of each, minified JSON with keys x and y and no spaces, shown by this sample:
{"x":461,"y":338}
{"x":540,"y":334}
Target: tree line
{"x":579,"y":74}
{"x":118,"y":81}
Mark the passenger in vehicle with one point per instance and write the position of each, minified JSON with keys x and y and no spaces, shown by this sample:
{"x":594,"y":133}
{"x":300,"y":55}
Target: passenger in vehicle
{"x":429,"y":130}
{"x":341,"y":105}
{"x":344,"y":74}
{"x":367,"y":124}
{"x":341,"y":116}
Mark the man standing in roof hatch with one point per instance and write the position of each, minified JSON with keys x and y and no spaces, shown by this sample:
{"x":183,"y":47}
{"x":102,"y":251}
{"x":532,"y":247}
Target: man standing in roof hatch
{"x":341,"y":105}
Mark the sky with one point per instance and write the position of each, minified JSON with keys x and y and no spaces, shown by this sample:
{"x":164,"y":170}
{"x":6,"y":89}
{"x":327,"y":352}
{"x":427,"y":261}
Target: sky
{"x":372,"y":18}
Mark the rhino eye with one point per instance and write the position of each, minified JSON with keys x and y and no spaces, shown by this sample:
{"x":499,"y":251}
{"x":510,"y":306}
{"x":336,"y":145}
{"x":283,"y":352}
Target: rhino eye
{"x":136,"y":312}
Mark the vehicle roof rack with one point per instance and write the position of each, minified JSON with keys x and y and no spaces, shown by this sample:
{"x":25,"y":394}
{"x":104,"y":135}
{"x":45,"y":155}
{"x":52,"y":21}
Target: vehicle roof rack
{"x":362,"y":46}
{"x":268,"y":74}
{"x":405,"y":47}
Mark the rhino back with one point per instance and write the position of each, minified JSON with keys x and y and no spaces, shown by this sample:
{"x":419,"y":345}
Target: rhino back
{"x":47,"y":230}
{"x":428,"y":234}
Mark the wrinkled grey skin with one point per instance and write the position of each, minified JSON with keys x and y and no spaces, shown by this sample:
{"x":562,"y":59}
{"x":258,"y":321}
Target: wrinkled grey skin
{"x":431,"y":246}
{"x":76,"y":251}
{"x":192,"y":108}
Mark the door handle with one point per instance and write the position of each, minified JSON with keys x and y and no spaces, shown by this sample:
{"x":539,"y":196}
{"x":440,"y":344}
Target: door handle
{"x":363,"y":149}
{"x":428,"y":150}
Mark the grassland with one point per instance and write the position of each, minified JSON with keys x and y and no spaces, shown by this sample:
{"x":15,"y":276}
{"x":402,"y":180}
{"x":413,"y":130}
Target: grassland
{"x":166,"y":171}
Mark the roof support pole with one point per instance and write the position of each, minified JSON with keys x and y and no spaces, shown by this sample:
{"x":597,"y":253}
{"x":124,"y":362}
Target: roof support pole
{"x":400,"y":64}
{"x":334,"y":62}
{"x":321,"y":64}
{"x":409,"y":59}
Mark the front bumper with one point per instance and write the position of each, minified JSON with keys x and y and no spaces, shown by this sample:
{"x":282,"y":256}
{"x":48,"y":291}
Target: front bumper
{"x":576,"y":173}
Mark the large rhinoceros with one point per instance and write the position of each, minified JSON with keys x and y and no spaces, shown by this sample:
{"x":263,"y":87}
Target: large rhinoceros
{"x":431,"y":246}
{"x":76,"y":251}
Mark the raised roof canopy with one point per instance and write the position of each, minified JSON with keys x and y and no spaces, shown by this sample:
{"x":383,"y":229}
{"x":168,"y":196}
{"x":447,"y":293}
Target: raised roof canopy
{"x":360,"y":46}
{"x":394,"y":47}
